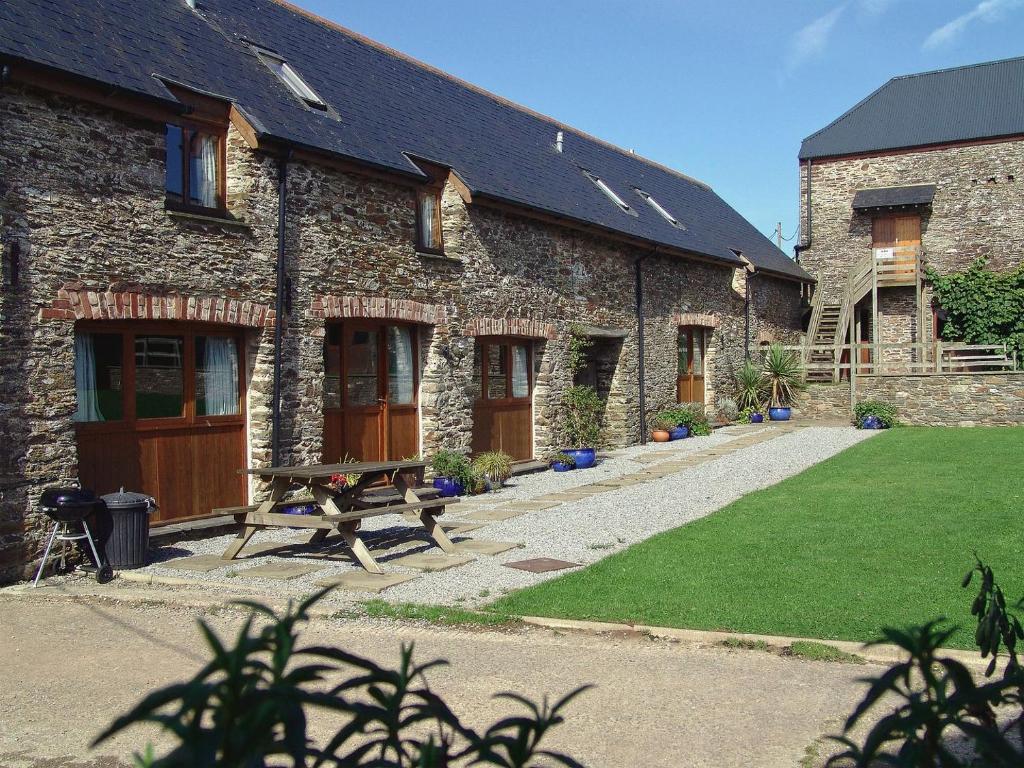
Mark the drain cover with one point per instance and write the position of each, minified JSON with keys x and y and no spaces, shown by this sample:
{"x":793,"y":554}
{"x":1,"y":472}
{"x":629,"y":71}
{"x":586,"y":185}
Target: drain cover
{"x":542,"y":565}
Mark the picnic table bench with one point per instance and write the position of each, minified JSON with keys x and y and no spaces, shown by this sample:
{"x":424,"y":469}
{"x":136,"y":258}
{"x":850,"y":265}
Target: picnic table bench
{"x":343,"y":510}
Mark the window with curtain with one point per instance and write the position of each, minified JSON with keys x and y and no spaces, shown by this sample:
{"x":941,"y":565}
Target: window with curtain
{"x":401,"y":381}
{"x":193,"y":172}
{"x":98,"y":377}
{"x":216,"y":376}
{"x":520,"y":371}
{"x":428,"y":221}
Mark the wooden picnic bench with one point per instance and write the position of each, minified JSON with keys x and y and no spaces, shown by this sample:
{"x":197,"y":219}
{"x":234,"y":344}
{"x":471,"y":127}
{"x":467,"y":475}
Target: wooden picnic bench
{"x":343,"y":510}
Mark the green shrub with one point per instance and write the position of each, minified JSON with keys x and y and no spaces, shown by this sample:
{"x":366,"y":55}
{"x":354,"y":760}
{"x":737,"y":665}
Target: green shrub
{"x":249,"y":705}
{"x":579,"y":343}
{"x":783,"y":375}
{"x":495,"y":465}
{"x":583,"y":409}
{"x":885,"y":412}
{"x":728,"y":409}
{"x":747,"y":412}
{"x":692,"y":416}
{"x":663,"y":420}
{"x":561,"y":458}
{"x":751,"y":388}
{"x":454,"y":466}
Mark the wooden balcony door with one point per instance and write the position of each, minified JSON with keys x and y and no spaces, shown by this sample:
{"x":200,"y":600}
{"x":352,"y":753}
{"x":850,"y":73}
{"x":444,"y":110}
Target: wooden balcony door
{"x":692,"y":347}
{"x":503,"y":397}
{"x":371,"y":387}
{"x":896,"y":242}
{"x":161,"y":411}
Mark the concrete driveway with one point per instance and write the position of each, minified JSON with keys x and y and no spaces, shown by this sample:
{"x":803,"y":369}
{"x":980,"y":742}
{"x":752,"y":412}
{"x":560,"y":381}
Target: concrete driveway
{"x":70,"y":666}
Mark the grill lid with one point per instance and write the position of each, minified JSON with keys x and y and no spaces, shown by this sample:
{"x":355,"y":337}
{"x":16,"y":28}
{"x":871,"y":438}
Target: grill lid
{"x":123,"y":499}
{"x":52,"y":497}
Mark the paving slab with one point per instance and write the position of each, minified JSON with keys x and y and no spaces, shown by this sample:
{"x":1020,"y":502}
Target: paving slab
{"x":526,"y":506}
{"x":496,"y":515}
{"x":202,"y":563}
{"x":279,"y":571}
{"x":486,"y":547}
{"x":361,"y":581}
{"x":430,"y":563}
{"x":542,"y":565}
{"x":457,"y":527}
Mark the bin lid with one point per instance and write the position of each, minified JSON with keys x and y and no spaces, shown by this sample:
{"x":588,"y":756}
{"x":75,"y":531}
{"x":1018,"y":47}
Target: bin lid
{"x":123,"y":499}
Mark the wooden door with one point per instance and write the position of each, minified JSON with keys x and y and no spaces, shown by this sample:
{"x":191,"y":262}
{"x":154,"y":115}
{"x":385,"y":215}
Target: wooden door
{"x":692,"y":348}
{"x":903,"y":235}
{"x":161,"y":411}
{"x":503,"y":397}
{"x":370,"y":392}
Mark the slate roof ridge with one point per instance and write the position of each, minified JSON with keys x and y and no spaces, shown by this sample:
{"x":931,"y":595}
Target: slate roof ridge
{"x":388,"y":50}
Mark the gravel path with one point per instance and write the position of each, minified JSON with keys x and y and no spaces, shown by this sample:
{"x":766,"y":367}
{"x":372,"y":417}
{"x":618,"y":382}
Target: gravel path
{"x":675,"y":483}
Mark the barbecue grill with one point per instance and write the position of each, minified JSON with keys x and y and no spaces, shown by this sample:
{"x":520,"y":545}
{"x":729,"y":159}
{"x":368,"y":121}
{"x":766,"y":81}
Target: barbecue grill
{"x":69,"y":508}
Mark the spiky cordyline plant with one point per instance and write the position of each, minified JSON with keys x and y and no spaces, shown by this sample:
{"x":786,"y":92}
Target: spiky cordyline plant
{"x":783,"y":375}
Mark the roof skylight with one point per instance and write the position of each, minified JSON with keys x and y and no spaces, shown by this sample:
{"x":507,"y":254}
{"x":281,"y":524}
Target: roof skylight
{"x":609,"y":192}
{"x":287,"y":75}
{"x":660,"y":209}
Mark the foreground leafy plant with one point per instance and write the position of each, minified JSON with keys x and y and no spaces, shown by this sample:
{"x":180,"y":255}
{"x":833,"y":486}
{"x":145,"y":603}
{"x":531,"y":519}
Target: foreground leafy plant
{"x":884,"y":412}
{"x":251,"y":701}
{"x":583,"y":410}
{"x":939,"y":701}
{"x":783,"y":375}
{"x":751,"y":388}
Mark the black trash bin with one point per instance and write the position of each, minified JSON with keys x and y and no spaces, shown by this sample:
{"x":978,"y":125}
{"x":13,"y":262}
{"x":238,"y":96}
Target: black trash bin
{"x":128,"y":544}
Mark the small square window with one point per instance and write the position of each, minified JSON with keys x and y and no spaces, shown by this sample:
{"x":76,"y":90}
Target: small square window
{"x":194,"y":168}
{"x":428,"y":221}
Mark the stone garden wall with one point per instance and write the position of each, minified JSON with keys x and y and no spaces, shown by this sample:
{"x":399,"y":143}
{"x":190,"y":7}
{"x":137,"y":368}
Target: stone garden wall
{"x":950,"y":400}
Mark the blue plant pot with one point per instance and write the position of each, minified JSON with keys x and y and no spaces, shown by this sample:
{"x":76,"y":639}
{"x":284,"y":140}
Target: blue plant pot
{"x":559,"y":466}
{"x":449,"y":487}
{"x":871,"y":422}
{"x":585,"y":457}
{"x":299,"y":509}
{"x":756,"y":418}
{"x":780,"y":414}
{"x":678,"y":433}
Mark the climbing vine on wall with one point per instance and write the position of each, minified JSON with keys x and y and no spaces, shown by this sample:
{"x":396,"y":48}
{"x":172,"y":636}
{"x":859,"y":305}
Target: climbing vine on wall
{"x":982,"y":306}
{"x":579,"y":343}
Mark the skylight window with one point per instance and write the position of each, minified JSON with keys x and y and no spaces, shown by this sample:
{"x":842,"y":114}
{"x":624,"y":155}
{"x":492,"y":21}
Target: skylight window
{"x":609,"y":192}
{"x":660,"y":209}
{"x":287,"y":75}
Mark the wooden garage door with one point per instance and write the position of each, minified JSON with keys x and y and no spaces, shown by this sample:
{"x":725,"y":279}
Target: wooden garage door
{"x":503,"y":397}
{"x":161,"y":410}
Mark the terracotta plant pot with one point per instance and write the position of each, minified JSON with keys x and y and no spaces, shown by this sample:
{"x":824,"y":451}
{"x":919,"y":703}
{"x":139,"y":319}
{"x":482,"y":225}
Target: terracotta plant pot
{"x":660,"y":436}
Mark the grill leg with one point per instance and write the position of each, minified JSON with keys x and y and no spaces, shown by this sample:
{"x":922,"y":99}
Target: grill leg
{"x":46,"y":554}
{"x":92,"y":546}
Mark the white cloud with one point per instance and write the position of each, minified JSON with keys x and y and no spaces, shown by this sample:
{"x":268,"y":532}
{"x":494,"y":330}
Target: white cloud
{"x":876,"y":7}
{"x":987,"y":11}
{"x":812,"y":39}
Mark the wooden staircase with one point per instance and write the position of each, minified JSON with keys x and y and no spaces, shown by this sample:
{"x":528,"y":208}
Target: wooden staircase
{"x":822,"y":340}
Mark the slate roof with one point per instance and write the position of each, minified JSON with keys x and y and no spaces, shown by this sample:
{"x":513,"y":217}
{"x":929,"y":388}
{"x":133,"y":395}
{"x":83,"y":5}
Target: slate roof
{"x":979,"y":101}
{"x":388,"y":107}
{"x":885,"y":197}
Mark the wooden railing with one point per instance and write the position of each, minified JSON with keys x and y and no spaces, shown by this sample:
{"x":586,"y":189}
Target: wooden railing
{"x":905,"y":358}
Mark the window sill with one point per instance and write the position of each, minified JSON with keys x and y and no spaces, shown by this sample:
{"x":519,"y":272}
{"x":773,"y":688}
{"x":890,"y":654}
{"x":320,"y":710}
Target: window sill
{"x":437,"y":256}
{"x":204,"y":218}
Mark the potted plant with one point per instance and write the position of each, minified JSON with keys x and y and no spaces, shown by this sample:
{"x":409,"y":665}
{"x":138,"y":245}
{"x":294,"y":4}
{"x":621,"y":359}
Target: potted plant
{"x":728,"y":410}
{"x":562,"y":462}
{"x":661,"y":427}
{"x":750,"y":388}
{"x":752,"y":415}
{"x":874,"y":414}
{"x":453,"y":473}
{"x":783,"y":376}
{"x":493,"y":468}
{"x":583,"y":410}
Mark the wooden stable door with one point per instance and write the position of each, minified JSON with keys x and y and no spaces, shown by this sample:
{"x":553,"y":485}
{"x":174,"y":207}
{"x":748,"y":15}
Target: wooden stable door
{"x":161,"y":411}
{"x":370,"y":392}
{"x":692,"y":346}
{"x":901,"y":234}
{"x":503,"y":397}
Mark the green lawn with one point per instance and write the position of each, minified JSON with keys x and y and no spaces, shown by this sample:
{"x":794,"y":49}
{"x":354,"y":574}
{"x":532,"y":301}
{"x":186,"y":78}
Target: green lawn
{"x":879,"y":535}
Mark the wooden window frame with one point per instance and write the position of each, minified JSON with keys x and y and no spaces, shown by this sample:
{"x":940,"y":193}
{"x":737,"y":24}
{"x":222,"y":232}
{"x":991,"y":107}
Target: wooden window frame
{"x":128,"y":331}
{"x":436,"y":193}
{"x":506,"y":344}
{"x":189,"y":128}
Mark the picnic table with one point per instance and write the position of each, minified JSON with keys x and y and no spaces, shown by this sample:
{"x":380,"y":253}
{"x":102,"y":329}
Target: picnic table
{"x":344,"y":509}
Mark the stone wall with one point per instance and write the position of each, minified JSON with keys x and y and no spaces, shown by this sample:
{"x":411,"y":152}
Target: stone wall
{"x":827,"y":402}
{"x":950,"y":400}
{"x":82,"y":192}
{"x":978,"y":208}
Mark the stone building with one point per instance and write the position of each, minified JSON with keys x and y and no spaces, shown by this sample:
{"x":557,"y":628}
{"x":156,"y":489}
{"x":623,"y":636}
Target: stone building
{"x":924,"y":172}
{"x":236,"y":234}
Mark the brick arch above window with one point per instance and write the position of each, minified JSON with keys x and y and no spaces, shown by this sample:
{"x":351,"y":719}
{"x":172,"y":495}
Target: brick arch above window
{"x":376,"y":308}
{"x":696,"y":318}
{"x":82,"y":303}
{"x":510,"y":326}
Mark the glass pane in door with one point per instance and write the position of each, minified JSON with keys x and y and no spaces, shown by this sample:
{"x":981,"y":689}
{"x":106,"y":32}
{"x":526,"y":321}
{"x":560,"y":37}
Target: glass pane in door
{"x":698,"y":352}
{"x":684,"y":351}
{"x":159,"y":376}
{"x":400,"y":366}
{"x":520,"y":371}
{"x":497,"y":385}
{"x":361,"y":368}
{"x":216,"y":376}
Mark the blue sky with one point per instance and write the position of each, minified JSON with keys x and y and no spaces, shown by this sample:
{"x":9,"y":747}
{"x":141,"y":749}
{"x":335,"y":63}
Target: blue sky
{"x":723,"y":91}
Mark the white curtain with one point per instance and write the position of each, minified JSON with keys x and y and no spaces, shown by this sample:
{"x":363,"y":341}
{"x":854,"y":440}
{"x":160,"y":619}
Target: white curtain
{"x":520,"y":372}
{"x":427,"y":215}
{"x":221,"y":376}
{"x":400,"y":364}
{"x":85,"y":380}
{"x":204,"y":183}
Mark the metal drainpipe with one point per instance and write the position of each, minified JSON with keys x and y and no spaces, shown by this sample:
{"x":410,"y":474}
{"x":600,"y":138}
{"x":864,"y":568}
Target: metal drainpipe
{"x":279,"y":303}
{"x":746,"y":313}
{"x":640,"y":344}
